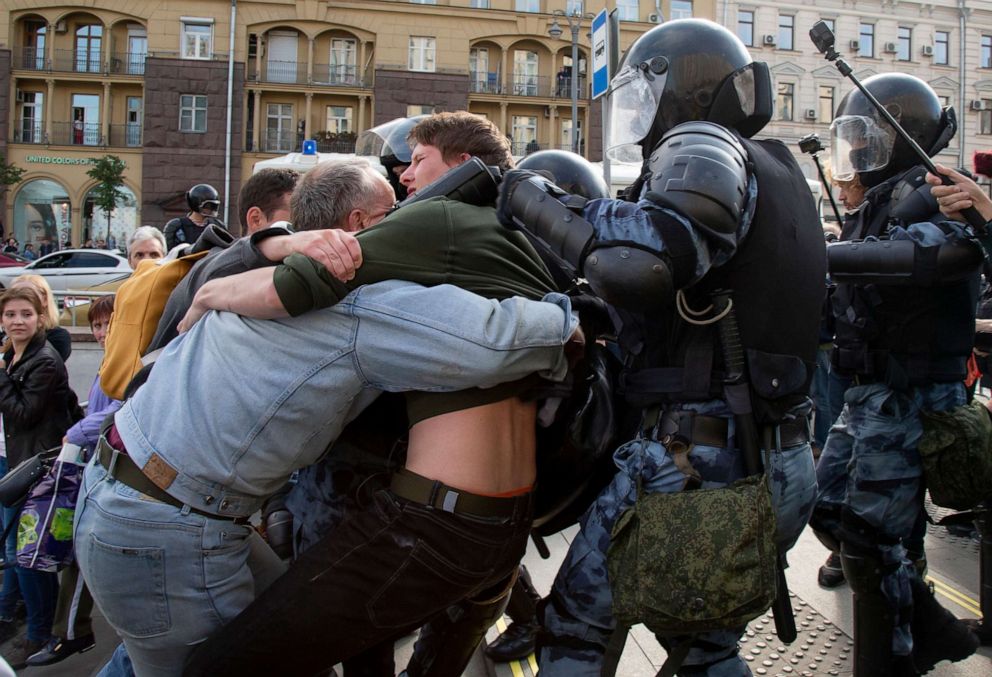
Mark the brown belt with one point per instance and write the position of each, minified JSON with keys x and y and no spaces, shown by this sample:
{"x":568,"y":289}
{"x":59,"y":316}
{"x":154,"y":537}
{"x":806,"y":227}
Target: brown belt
{"x":126,"y":471}
{"x":712,"y":431}
{"x":419,"y":489}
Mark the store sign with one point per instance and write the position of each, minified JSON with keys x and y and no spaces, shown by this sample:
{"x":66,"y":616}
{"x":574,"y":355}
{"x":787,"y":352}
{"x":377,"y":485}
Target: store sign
{"x":49,"y":160}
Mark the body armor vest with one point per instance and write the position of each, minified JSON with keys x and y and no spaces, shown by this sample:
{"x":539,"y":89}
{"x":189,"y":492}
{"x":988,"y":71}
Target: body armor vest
{"x":901,"y":335}
{"x":776,"y":282}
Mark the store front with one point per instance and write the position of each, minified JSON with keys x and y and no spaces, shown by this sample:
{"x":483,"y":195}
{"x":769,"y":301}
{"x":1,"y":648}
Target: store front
{"x":115,"y":231}
{"x":42,"y":215}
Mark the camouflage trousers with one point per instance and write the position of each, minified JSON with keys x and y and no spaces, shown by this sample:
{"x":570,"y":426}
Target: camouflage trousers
{"x":577,"y":618}
{"x":870,"y":466}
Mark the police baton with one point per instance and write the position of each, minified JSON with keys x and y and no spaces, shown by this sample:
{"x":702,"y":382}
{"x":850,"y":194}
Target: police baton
{"x":737,"y":392}
{"x":823,"y":38}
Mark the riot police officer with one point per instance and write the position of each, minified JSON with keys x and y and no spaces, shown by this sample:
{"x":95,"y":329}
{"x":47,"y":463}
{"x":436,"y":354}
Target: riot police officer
{"x":388,"y":143}
{"x":204,"y":204}
{"x":904,"y":331}
{"x":714,"y":211}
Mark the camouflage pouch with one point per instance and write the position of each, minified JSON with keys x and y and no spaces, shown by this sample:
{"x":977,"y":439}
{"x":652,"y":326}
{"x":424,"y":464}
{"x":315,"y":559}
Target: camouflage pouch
{"x":956,"y":450}
{"x":694,"y":560}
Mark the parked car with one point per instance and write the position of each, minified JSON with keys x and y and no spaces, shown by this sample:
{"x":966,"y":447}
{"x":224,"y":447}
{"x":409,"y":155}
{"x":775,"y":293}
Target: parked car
{"x":10,"y":260}
{"x":71,"y":269}
{"x":76,"y":309}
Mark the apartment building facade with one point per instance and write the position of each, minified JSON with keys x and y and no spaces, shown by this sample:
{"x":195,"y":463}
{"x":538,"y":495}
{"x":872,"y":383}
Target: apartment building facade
{"x":198,"y":91}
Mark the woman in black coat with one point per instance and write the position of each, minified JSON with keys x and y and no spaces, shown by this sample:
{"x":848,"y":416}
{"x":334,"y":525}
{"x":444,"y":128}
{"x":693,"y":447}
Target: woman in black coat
{"x":37,"y":406}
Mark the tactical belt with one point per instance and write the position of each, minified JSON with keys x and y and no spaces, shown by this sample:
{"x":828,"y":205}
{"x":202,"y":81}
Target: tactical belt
{"x":419,"y":489}
{"x":126,"y":471}
{"x":712,"y":431}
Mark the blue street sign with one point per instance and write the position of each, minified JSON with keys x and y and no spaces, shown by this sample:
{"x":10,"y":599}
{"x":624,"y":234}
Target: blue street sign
{"x":600,"y":56}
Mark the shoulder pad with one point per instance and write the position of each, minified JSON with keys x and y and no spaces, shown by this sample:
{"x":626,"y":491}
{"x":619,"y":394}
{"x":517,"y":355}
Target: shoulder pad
{"x":699,"y":169}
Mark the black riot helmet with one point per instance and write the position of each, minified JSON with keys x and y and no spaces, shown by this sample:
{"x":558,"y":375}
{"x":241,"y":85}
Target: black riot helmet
{"x":863,"y":143}
{"x":569,"y":171}
{"x":203,"y":199}
{"x":681,"y":71}
{"x":388,"y":143}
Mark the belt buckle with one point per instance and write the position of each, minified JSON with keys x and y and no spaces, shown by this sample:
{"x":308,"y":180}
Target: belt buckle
{"x":449,"y":501}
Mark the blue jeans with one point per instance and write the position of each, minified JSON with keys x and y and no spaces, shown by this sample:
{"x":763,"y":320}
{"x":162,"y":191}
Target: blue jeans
{"x":11,"y":592}
{"x":164,"y":577}
{"x":819,"y":391}
{"x":579,"y":616}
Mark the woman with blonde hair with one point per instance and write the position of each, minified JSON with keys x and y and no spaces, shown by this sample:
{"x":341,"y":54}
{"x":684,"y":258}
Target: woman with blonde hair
{"x":58,"y":336}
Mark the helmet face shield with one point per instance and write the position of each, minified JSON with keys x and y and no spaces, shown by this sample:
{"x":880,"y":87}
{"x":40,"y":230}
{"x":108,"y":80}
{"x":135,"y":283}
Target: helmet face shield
{"x":209,"y":207}
{"x":858,"y":143}
{"x":388,"y":141}
{"x":633,"y":103}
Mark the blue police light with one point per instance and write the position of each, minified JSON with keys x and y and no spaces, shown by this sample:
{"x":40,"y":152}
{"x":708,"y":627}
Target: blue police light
{"x":309,"y":147}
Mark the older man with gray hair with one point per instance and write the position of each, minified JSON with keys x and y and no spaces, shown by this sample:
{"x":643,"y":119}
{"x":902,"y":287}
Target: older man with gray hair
{"x":146,"y":242}
{"x":346,"y":194}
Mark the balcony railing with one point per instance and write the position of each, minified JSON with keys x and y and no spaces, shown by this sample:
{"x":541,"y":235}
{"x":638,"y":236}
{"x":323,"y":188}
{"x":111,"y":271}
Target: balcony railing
{"x":530,"y":85}
{"x":76,"y":61}
{"x":336,"y":75}
{"x":528,"y":147}
{"x":31,"y":58}
{"x":76,"y":134}
{"x":290,"y":72}
{"x":126,"y":135}
{"x":128,"y":63}
{"x":480,"y":82}
{"x":563,"y":87}
{"x":29,"y":133}
{"x":336,"y":146}
{"x":272,"y":141}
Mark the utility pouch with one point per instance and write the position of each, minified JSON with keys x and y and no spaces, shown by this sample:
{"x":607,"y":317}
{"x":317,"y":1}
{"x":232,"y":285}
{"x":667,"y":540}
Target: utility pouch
{"x":956,"y":450}
{"x":696,"y":560}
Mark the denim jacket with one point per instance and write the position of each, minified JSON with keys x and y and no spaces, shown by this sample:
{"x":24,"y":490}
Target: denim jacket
{"x":235,"y":405}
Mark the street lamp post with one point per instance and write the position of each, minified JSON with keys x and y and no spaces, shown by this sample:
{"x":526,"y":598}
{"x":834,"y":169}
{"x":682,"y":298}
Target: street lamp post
{"x":574,"y":23}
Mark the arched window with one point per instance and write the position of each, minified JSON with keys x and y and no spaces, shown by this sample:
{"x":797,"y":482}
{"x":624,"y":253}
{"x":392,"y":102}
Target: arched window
{"x":42,"y":214}
{"x":88,"y":41}
{"x":123,"y":220}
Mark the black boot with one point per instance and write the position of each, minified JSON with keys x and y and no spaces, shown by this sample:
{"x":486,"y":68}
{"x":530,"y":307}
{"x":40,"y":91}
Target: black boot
{"x":831,"y":574}
{"x":516,"y":642}
{"x":937,"y":634}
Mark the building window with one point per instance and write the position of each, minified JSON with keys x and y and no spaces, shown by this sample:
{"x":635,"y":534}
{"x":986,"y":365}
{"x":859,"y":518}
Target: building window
{"x":524,"y":131}
{"x":279,"y":128}
{"x":197,"y":39}
{"x":904,"y":43}
{"x":192,"y":113}
{"x":786,"y":29}
{"x":31,"y":117}
{"x":422,"y":51}
{"x":985,"y":118}
{"x":338,"y":119}
{"x":574,"y":7}
{"x":342,"y":61}
{"x":830,"y":24}
{"x":945,"y":100}
{"x":35,"y":33}
{"x":942,"y":48}
{"x":525,"y":79}
{"x":986,"y":61}
{"x":681,"y":9}
{"x":414,"y":109}
{"x":528,"y":5}
{"x":745,"y":27}
{"x":786,"y":100}
{"x":479,"y":4}
{"x":866,"y":40}
{"x":628,"y":10}
{"x":88,"y":41}
{"x":480,"y":79}
{"x":85,"y":124}
{"x":826,"y":101}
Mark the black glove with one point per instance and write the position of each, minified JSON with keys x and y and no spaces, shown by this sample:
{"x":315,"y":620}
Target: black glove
{"x":594,"y":316}
{"x":506,"y":187}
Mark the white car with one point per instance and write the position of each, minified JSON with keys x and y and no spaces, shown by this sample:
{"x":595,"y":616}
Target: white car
{"x":71,"y":268}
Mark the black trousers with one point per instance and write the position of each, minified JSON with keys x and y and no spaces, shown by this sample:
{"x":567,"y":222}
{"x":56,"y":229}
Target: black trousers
{"x":382,"y":572}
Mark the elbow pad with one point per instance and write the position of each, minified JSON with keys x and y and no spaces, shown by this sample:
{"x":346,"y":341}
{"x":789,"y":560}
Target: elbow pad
{"x":700,"y":170}
{"x":628,"y":276}
{"x":902,"y":262}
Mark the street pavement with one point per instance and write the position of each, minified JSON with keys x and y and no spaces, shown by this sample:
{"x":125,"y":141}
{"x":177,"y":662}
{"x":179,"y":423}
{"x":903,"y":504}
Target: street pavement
{"x":823,"y":617}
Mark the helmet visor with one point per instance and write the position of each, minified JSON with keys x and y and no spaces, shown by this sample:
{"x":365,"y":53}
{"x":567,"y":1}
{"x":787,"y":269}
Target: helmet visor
{"x":388,"y":139}
{"x":631,"y":111}
{"x":209,"y":207}
{"x":858,"y":143}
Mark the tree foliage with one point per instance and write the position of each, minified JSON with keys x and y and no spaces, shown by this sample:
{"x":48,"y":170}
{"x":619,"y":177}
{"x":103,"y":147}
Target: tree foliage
{"x":108,"y":171}
{"x":9,"y":173}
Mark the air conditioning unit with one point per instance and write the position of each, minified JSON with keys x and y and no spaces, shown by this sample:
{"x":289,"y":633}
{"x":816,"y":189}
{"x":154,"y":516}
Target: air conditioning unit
{"x":926,"y":50}
{"x":809,"y":114}
{"x":768,"y":40}
{"x":654,"y":18}
{"x":890,"y":48}
{"x":855,"y":45}
{"x":61,"y":26}
{"x":977,"y":104}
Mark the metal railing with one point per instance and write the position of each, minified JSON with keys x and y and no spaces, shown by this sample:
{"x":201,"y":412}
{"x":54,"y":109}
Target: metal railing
{"x":76,"y":134}
{"x":31,"y":58}
{"x":563,"y":87}
{"x":530,"y":85}
{"x":289,"y":72}
{"x":76,"y":61}
{"x":277,"y":142}
{"x":336,"y":75}
{"x":31,"y":133}
{"x":484,"y":83}
{"x":73,"y":301}
{"x":126,"y":135}
{"x":336,"y":146}
{"x":128,"y":63}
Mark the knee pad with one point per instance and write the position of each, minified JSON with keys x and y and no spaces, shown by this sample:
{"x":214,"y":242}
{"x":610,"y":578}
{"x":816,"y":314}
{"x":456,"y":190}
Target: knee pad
{"x":825,"y":522}
{"x":863,"y":569}
{"x":861,"y":534}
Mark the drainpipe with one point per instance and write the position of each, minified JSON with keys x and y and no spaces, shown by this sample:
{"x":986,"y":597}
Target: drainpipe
{"x":962,"y":71}
{"x":726,"y":10}
{"x":230,"y":108}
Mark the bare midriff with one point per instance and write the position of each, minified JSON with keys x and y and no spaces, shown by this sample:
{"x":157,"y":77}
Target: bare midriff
{"x":487,"y":449}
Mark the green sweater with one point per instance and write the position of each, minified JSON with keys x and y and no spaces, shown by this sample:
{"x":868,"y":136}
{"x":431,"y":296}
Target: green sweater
{"x":438,"y":241}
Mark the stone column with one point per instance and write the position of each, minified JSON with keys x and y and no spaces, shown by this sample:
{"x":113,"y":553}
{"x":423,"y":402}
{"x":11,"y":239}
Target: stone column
{"x":309,"y":62}
{"x":105,"y":113}
{"x":502,"y":118}
{"x":306,"y":118}
{"x":256,"y":119}
{"x":360,"y":126}
{"x":48,"y":109}
{"x":553,"y":127}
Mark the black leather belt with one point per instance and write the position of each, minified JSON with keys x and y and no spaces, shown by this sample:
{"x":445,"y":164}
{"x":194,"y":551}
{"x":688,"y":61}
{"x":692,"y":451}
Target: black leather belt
{"x":712,"y":431}
{"x":126,"y":471}
{"x":419,"y":489}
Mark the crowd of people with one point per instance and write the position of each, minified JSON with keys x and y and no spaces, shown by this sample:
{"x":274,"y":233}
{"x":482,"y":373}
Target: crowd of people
{"x":374,"y":373}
